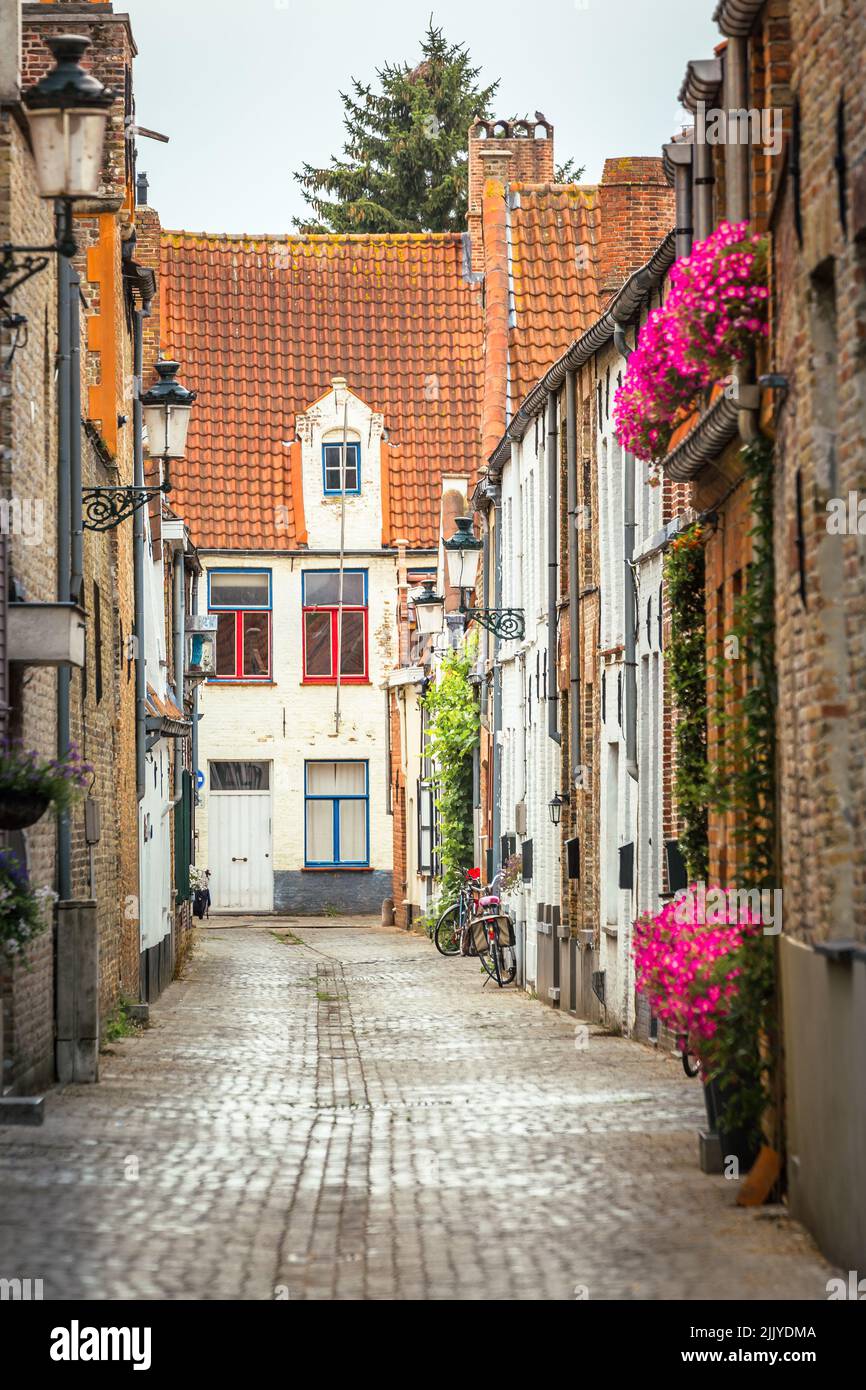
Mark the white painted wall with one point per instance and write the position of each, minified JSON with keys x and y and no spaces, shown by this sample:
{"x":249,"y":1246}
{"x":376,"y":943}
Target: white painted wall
{"x":530,"y":758}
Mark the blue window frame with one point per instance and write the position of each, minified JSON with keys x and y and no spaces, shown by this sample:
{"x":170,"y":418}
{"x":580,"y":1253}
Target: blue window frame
{"x":337,"y":814}
{"x":242,"y":599}
{"x":331,"y":462}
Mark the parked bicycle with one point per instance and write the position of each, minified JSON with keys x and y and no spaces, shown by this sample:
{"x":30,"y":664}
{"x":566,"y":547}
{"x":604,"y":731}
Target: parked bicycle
{"x":691,"y":1062}
{"x":493,"y":937}
{"x":451,"y":935}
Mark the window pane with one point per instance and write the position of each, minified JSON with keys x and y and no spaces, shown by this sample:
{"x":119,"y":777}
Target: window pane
{"x":322,"y":588}
{"x":334,"y":779}
{"x":333,"y":462}
{"x":320,"y":832}
{"x":239,"y":777}
{"x":239,"y":590}
{"x":225,"y":645}
{"x":317,"y":632}
{"x":353,"y":832}
{"x":352,"y":653}
{"x":256,"y":644}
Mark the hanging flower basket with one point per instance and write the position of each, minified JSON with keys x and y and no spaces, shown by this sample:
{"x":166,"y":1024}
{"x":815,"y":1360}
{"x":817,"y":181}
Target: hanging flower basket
{"x":23,"y":909}
{"x":29,"y":784}
{"x":716,"y":309}
{"x":18,"y":809}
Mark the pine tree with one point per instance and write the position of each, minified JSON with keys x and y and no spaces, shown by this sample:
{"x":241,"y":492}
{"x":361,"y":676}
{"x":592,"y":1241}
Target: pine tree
{"x":403,"y":166}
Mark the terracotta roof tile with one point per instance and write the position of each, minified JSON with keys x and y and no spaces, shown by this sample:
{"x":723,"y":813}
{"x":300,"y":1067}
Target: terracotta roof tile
{"x":555,"y":276}
{"x":261,"y":325}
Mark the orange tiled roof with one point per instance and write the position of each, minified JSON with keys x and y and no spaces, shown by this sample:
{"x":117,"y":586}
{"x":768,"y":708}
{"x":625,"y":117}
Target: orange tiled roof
{"x":261,"y":325}
{"x":555,"y":276}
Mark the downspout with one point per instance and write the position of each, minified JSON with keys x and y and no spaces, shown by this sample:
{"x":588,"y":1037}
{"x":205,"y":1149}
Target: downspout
{"x":552,"y":461}
{"x":679,"y":155}
{"x":138,"y":543}
{"x":629,"y":596}
{"x":179,"y":625}
{"x":64,"y":556}
{"x":76,"y":583}
{"x":497,"y":689}
{"x":573,"y":574}
{"x":703,"y":178}
{"x":736,"y":154}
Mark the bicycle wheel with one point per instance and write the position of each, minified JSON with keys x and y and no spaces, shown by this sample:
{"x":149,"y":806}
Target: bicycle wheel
{"x":446,"y":937}
{"x":500,"y":963}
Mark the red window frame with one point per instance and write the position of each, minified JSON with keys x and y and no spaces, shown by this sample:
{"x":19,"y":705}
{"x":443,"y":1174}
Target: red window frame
{"x":333,"y":610}
{"x":239,"y":615}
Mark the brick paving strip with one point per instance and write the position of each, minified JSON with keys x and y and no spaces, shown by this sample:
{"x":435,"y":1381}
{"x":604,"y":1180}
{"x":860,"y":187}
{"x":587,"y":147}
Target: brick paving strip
{"x":325,"y":1113}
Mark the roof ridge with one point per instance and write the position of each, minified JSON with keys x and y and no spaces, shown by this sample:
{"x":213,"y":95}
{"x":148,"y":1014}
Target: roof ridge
{"x":302,"y":237}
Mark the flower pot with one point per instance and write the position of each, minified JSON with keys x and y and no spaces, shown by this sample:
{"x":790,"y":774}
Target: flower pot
{"x":735,"y":1142}
{"x":19,"y":809}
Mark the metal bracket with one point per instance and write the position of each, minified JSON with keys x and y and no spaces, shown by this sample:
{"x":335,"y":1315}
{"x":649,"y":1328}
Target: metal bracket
{"x":505,"y":623}
{"x":107,"y":507}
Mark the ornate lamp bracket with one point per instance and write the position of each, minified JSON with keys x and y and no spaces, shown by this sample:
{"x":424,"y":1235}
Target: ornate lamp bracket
{"x":505,"y":623}
{"x":106,"y":507}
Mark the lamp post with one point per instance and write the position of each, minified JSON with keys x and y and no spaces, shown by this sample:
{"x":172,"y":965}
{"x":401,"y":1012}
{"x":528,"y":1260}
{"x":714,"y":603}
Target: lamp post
{"x":165,"y":409}
{"x":67,"y":111}
{"x":463,"y":555}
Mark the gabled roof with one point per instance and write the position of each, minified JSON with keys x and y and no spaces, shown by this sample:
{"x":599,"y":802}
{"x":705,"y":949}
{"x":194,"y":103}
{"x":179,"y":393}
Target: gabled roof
{"x":555,"y":275}
{"x":261,"y":325}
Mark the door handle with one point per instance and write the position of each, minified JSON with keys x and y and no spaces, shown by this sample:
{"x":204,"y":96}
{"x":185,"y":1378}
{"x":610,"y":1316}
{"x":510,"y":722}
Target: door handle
{"x":236,"y":859}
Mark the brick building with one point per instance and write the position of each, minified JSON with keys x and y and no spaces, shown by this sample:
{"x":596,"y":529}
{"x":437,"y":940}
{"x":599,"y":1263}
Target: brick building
{"x":68,"y":395}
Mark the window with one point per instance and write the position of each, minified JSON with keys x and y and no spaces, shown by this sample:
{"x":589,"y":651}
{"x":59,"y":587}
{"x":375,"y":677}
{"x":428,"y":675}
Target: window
{"x":242,"y":599}
{"x":336,"y":815}
{"x":239,"y":777}
{"x":324,"y":635}
{"x":331,"y":464}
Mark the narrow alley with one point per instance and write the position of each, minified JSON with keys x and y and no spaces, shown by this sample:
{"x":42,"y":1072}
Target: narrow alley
{"x":332,"y":1110}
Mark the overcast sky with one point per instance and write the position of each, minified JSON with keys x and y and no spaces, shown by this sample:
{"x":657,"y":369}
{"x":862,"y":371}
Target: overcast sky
{"x":247,"y":89}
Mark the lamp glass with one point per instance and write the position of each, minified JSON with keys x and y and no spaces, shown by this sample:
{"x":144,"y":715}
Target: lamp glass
{"x":166,"y":427}
{"x":429,"y":615}
{"x":67,"y":150}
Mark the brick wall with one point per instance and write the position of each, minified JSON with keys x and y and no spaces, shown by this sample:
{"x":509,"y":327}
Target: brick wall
{"x":637,"y":212}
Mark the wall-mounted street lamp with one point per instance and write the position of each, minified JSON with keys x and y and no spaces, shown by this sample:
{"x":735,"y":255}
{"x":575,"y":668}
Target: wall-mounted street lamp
{"x":463,"y":555}
{"x":429,"y":609}
{"x":166,"y":409}
{"x":555,"y":806}
{"x":67,"y":111}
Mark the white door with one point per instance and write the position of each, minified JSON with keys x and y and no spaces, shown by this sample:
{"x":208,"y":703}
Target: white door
{"x":239,"y":853}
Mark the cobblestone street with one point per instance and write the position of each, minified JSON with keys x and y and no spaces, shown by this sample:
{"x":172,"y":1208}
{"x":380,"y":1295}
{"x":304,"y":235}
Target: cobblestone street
{"x":319,"y":1112}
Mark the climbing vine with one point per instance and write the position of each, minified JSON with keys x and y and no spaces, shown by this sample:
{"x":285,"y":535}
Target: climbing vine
{"x":453,"y":727}
{"x":745,"y":783}
{"x":687,"y":657}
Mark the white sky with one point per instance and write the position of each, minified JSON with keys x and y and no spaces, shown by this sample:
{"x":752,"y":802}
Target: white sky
{"x":247,"y":89}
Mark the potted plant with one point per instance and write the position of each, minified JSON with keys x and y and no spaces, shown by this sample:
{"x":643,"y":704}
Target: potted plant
{"x":29,"y":783}
{"x":689,"y":964}
{"x":715,"y":310}
{"x":22,"y":908}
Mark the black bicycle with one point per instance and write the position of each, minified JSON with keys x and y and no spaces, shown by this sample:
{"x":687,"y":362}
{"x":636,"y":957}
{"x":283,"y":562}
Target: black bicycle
{"x":451,"y":935}
{"x":493,"y":937}
{"x":691,"y":1062}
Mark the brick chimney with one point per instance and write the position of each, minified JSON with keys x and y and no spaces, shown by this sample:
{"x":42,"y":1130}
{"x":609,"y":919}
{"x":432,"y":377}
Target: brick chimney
{"x":637,"y":211}
{"x":510,"y":152}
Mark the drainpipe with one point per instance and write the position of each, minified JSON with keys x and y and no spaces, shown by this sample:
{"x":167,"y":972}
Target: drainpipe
{"x":138,"y":543}
{"x":629,"y":618}
{"x":64,"y":556}
{"x":552,"y":461}
{"x":703,"y":178}
{"x":736,"y":154}
{"x":573,"y":573}
{"x":679,"y":155}
{"x":179,"y":642}
{"x":76,"y":584}
{"x":497,"y":687}
{"x":629,"y":594}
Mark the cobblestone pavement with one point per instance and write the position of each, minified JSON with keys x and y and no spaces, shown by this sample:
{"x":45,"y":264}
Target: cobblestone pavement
{"x":318,"y":1112}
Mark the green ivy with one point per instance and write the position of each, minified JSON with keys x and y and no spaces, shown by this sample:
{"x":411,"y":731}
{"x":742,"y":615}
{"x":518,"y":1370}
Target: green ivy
{"x":453,"y":725}
{"x":687,"y":664}
{"x":745,"y":783}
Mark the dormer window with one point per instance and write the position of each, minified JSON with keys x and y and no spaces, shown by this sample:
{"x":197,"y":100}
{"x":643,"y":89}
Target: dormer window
{"x":332,"y":457}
